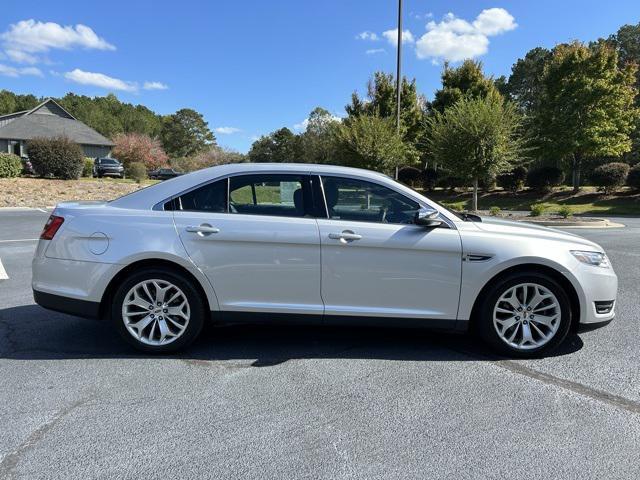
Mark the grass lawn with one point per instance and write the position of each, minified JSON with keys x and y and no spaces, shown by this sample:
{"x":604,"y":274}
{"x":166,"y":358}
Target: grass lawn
{"x":588,"y":201}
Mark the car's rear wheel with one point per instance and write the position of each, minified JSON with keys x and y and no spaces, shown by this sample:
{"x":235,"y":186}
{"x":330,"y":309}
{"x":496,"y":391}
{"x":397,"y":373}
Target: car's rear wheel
{"x":525,"y":315}
{"x":158,"y":310}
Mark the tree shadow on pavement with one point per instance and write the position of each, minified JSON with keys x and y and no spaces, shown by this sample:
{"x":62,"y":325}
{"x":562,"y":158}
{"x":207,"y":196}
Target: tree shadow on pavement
{"x":32,"y":333}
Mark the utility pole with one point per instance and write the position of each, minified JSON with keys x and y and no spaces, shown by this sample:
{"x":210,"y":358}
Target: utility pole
{"x":398,"y":71}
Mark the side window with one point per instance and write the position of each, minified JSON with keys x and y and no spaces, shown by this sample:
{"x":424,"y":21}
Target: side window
{"x":208,"y":198}
{"x":270,"y":194}
{"x":358,"y":200}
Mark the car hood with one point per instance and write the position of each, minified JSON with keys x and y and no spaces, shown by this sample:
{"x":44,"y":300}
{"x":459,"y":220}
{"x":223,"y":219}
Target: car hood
{"x":532,"y":231}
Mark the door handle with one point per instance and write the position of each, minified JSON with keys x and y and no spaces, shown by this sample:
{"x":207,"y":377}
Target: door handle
{"x":345,"y":236}
{"x":202,"y":230}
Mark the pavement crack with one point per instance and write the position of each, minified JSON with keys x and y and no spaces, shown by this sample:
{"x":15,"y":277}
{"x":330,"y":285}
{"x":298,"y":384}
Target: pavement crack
{"x":575,"y":387}
{"x":10,"y":461}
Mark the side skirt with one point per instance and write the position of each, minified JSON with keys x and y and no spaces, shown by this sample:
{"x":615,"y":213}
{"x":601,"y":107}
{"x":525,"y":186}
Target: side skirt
{"x":262,"y":318}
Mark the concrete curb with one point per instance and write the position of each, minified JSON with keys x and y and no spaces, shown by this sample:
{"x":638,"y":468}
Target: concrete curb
{"x":25,"y":209}
{"x":594,"y":223}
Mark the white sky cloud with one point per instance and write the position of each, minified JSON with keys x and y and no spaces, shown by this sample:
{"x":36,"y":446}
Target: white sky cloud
{"x":367,"y":35}
{"x":392,"y":37}
{"x":421,"y":16}
{"x":155,"y":86}
{"x":456,"y":39}
{"x":374,"y":51}
{"x":29,"y":37}
{"x":226,"y":130}
{"x":302,"y":126}
{"x":9,"y":71}
{"x":100,"y":80}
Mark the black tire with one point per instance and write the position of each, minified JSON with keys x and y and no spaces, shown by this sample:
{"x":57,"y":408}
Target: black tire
{"x":486,"y":325}
{"x":194,"y":297}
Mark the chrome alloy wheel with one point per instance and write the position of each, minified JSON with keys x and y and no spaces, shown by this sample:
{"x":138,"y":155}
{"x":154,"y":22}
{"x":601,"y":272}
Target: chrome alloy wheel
{"x":527,"y":316}
{"x":155,"y":312}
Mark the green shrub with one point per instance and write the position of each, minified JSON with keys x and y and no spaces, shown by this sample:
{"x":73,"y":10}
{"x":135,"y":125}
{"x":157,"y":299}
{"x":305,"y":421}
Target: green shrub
{"x":455,"y":206}
{"x":610,"y":176}
{"x":633,"y":179}
{"x":537,"y":209}
{"x":565,"y":211}
{"x":514,"y":180}
{"x":410,"y":176}
{"x":430,"y":179}
{"x":87,"y":170}
{"x":487,"y":184}
{"x":494,"y":211}
{"x":136,"y":171}
{"x":56,"y":157}
{"x":10,"y":165}
{"x":544,"y":179}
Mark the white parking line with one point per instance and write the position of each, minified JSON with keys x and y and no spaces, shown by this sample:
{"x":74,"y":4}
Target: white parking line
{"x":20,"y":240}
{"x":3,"y":272}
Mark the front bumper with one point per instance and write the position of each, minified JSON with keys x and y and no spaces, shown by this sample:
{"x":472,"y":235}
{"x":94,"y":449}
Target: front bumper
{"x":597,"y":285}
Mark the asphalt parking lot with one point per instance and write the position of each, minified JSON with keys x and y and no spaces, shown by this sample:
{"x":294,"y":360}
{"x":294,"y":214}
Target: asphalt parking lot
{"x":249,"y":402}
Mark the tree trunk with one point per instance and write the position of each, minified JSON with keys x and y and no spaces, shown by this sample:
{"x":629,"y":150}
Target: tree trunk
{"x":474,"y":201}
{"x":577,"y":166}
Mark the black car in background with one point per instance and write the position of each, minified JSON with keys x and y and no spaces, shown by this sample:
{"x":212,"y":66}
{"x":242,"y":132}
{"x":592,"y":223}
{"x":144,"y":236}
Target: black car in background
{"x":164,"y":173}
{"x":111,"y":167}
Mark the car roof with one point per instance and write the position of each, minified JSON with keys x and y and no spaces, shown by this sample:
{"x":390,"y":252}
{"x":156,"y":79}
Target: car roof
{"x":150,"y":196}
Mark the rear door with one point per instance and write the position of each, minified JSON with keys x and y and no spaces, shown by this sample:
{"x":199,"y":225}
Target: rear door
{"x":377,"y":263}
{"x":256,"y":239}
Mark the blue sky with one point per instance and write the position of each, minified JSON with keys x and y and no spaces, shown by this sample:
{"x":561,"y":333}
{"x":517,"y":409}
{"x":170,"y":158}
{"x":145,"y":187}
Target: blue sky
{"x":252,"y":67}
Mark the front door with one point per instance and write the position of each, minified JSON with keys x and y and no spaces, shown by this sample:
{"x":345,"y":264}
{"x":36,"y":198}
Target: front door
{"x":377,"y":263}
{"x":258,"y":245}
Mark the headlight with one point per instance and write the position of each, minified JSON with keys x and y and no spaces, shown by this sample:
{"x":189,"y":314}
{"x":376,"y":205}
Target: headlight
{"x":597,"y":259}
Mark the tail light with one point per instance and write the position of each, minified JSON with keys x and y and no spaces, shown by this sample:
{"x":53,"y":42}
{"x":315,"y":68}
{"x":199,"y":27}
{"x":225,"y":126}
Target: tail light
{"x":51,"y":227}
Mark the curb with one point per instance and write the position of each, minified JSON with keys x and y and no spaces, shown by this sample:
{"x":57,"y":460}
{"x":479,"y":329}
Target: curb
{"x":26,"y":209}
{"x":595,"y":223}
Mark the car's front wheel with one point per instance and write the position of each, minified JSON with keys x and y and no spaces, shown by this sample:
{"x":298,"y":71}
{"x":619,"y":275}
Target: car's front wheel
{"x":158,"y":310}
{"x":525,"y":315}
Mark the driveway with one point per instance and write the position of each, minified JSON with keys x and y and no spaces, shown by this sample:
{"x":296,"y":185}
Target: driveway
{"x":303,"y":402}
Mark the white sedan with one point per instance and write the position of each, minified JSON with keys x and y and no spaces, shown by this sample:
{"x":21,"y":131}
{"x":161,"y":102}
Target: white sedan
{"x":316,"y":244}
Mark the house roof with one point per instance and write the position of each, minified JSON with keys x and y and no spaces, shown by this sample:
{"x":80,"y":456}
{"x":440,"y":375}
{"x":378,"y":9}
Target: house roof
{"x":49,"y":119}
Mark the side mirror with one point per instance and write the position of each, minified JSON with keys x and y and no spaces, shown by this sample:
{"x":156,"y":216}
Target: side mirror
{"x":427,"y":217}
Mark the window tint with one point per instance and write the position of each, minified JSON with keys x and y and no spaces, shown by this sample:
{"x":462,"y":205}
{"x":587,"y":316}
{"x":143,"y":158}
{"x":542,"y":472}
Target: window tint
{"x":357,"y":200}
{"x":269,"y":194}
{"x":208,"y":198}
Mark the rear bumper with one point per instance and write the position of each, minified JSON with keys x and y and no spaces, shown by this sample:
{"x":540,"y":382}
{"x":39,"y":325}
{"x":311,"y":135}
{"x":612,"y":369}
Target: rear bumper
{"x":71,"y":306}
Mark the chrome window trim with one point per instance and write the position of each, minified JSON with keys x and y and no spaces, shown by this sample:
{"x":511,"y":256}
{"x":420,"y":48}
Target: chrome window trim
{"x":160,"y":205}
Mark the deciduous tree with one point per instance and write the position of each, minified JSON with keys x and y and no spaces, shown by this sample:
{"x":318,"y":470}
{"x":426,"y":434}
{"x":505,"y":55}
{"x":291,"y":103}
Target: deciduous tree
{"x":587,"y":108}
{"x":372,"y":142}
{"x":139,"y":148}
{"x":281,"y":146}
{"x":477,"y":138}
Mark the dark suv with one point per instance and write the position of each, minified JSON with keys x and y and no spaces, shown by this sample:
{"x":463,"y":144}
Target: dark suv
{"x":107,"y":167}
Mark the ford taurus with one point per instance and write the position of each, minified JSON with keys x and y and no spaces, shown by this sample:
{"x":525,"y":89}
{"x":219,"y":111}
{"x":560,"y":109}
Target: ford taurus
{"x":315,"y":244}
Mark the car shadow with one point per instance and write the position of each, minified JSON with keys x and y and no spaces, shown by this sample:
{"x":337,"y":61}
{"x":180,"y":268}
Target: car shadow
{"x":32,"y":333}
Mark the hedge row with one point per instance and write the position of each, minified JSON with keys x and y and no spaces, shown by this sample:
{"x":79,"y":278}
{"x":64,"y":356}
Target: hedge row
{"x":607,"y":177}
